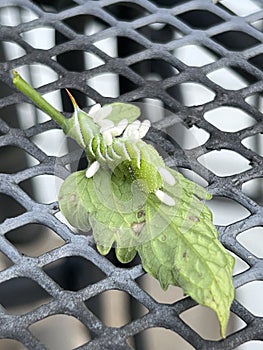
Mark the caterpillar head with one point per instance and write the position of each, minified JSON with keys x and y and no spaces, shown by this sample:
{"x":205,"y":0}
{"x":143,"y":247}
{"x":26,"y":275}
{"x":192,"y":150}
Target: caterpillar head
{"x":109,"y":121}
{"x":82,"y":126}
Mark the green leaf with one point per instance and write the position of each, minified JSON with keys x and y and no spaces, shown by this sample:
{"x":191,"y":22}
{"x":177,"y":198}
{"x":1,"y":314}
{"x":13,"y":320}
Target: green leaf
{"x":122,"y":111}
{"x":71,"y":205}
{"x":125,"y":255}
{"x":112,"y":207}
{"x":188,"y":254}
{"x":178,"y":244}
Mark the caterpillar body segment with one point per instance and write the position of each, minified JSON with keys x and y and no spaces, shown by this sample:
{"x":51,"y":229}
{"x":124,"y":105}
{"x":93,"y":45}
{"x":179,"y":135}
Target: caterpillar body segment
{"x":82,"y":128}
{"x":131,"y":158}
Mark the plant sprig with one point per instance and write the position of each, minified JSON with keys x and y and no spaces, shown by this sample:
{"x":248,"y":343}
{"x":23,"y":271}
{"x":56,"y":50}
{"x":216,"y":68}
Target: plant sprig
{"x":132,"y":200}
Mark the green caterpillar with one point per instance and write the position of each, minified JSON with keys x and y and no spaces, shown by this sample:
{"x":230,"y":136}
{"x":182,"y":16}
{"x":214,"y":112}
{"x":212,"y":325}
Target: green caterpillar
{"x":131,"y":199}
{"x":119,"y":147}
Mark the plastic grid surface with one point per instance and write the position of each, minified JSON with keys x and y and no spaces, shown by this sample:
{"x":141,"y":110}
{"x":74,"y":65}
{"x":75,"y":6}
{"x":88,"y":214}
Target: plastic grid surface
{"x":241,"y":58}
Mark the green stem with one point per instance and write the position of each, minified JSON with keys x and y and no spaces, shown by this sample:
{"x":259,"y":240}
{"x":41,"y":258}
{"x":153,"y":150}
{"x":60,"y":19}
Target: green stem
{"x":30,"y":92}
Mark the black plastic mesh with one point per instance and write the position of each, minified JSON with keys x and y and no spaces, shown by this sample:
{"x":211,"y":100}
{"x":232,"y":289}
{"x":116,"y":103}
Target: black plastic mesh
{"x":235,"y":43}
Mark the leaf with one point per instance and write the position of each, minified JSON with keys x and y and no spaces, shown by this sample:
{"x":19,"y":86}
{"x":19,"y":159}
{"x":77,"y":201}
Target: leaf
{"x":178,"y":244}
{"x":187,"y":252}
{"x":122,"y":111}
{"x":111,"y":207}
{"x":71,"y":205}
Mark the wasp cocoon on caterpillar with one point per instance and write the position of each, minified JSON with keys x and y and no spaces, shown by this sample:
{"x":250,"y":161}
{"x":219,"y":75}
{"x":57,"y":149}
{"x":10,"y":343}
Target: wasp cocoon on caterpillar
{"x":121,"y":145}
{"x":130,"y":198}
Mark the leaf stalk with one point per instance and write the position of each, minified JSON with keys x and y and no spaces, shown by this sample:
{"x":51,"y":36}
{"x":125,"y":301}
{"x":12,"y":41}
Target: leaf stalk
{"x":34,"y":96}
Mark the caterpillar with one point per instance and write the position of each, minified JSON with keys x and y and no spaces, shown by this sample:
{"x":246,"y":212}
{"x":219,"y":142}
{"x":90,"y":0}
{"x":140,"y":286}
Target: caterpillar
{"x":120,"y":147}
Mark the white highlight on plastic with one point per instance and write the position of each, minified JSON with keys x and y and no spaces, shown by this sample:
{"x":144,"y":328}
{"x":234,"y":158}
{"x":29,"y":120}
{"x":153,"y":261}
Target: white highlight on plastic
{"x":92,"y":169}
{"x":165,"y":198}
{"x":167,"y":176}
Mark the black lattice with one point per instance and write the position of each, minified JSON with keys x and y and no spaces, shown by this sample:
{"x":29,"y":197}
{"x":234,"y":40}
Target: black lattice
{"x":236,"y":43}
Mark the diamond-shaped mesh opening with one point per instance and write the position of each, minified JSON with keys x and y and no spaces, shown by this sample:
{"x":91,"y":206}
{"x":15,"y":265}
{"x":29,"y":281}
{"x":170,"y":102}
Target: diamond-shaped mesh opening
{"x":34,"y":239}
{"x":196,"y":62}
{"x":196,"y":137}
{"x":195,"y":55}
{"x":128,"y":46}
{"x":253,"y":189}
{"x":31,"y":37}
{"x":149,"y":65}
{"x":49,"y":331}
{"x":250,"y":239}
{"x":209,"y":329}
{"x":164,"y":339}
{"x":92,"y":60}
{"x":22,"y":15}
{"x":257,"y":61}
{"x":154,"y":32}
{"x":219,"y":205}
{"x":73,"y":273}
{"x":11,"y":344}
{"x":236,"y":40}
{"x":232,"y":78}
{"x":152,"y":287}
{"x":190,"y":98}
{"x":5,"y":90}
{"x":246,"y":294}
{"x":229,"y":119}
{"x":216,"y":160}
{"x":113,"y":302}
{"x":200,"y":19}
{"x":45,"y":182}
{"x":254,"y":143}
{"x":12,"y":50}
{"x":126,"y":11}
{"x":11,"y":164}
{"x":4,"y":262}
{"x":23,"y":291}
{"x":256,"y":345}
{"x":12,"y":207}
{"x":78,"y":23}
{"x":240,"y":265}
